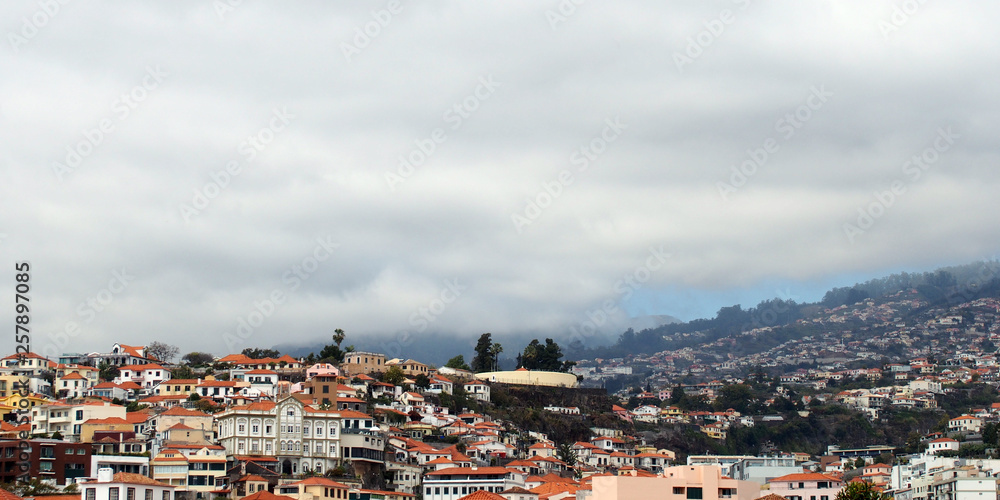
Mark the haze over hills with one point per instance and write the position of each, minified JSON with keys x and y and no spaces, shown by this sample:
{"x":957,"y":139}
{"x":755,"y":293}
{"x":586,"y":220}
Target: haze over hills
{"x":649,"y":334}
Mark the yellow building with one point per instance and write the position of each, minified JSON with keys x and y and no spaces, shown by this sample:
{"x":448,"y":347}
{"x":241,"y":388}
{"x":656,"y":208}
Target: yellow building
{"x":315,"y":488}
{"x":117,"y":424}
{"x":14,"y":400}
{"x":179,"y":387}
{"x":410,"y":367}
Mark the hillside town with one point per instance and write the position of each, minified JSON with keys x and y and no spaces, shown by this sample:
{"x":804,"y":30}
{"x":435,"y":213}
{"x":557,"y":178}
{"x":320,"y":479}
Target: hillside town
{"x":108,"y":425}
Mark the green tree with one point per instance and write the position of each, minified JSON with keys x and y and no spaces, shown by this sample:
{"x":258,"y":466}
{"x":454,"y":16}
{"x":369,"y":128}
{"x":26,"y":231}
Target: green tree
{"x":566,"y":454}
{"x":861,"y":491}
{"x":547,"y":357}
{"x":735,"y":396}
{"x":990,"y":434}
{"x":182,"y":372}
{"x":458,"y":363}
{"x":258,"y":353}
{"x":486,"y":354}
{"x":107,"y":371}
{"x":198,"y":358}
{"x":422,"y":381}
{"x":333,"y":352}
{"x":394,"y":375}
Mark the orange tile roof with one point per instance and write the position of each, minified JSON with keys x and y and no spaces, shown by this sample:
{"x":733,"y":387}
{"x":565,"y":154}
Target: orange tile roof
{"x":470,"y":471}
{"x":482,"y":495}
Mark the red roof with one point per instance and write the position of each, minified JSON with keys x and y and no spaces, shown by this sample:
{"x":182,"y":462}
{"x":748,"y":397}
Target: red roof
{"x":461,"y":471}
{"x":482,"y":495}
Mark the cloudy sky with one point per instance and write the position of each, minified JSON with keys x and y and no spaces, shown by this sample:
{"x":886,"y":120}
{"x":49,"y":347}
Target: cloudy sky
{"x":224,"y":174}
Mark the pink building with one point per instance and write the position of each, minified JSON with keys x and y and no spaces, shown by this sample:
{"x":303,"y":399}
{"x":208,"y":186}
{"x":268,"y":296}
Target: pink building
{"x":684,"y":482}
{"x":806,"y":486}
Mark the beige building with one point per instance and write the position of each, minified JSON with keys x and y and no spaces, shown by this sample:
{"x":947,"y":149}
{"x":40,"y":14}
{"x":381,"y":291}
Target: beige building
{"x":522,"y":376}
{"x":410,"y":367}
{"x":117,"y":424}
{"x":685,"y":482}
{"x":359,"y":362}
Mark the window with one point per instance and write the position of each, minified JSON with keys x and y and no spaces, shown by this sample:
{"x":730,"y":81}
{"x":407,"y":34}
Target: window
{"x":91,"y":494}
{"x":242,"y":428}
{"x":255,"y":429}
{"x":802,"y":485}
{"x":267,"y":429}
{"x":130,"y":494}
{"x":166,"y":495}
{"x":694,"y":494}
{"x":113,"y":493}
{"x":79,"y":414}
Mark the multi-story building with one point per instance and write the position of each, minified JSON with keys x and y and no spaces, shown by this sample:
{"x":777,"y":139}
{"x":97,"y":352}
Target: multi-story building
{"x":806,"y":486}
{"x":68,"y":419}
{"x":315,"y":488}
{"x":302,"y":437}
{"x":51,"y":460}
{"x":684,"y":482}
{"x":360,"y":362}
{"x":201,"y":472}
{"x":410,"y":367}
{"x":146,"y":376}
{"x":74,"y":380}
{"x":453,"y":483}
{"x":965,"y":423}
{"x":749,"y":468}
{"x":965,"y":483}
{"x":127,"y":486}
{"x":29,"y":364}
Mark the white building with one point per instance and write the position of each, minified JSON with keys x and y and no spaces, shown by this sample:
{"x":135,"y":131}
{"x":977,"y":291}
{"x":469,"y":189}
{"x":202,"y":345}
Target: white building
{"x":478,"y":390}
{"x":942,"y":444}
{"x":68,"y":419}
{"x":146,"y":376}
{"x":302,"y":438}
{"x":125,"y":486}
{"x":456,"y":482}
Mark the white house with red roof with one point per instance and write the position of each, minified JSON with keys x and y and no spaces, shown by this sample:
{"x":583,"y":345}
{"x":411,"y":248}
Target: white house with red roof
{"x":30,"y":364}
{"x":456,"y":482}
{"x":478,"y":390}
{"x":125,"y":485}
{"x":965,"y":423}
{"x":942,"y":444}
{"x":146,"y":376}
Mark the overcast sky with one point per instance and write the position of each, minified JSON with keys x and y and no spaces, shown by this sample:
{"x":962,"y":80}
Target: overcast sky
{"x":173,"y":170}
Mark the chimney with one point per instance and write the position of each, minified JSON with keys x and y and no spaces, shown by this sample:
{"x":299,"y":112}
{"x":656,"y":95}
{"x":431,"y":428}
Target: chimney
{"x":105,"y":475}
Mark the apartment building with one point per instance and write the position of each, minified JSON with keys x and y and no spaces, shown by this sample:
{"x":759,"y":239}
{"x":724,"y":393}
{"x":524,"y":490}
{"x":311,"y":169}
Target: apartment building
{"x":361,"y":362}
{"x":68,"y":419}
{"x":302,"y":437}
{"x":806,"y":486}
